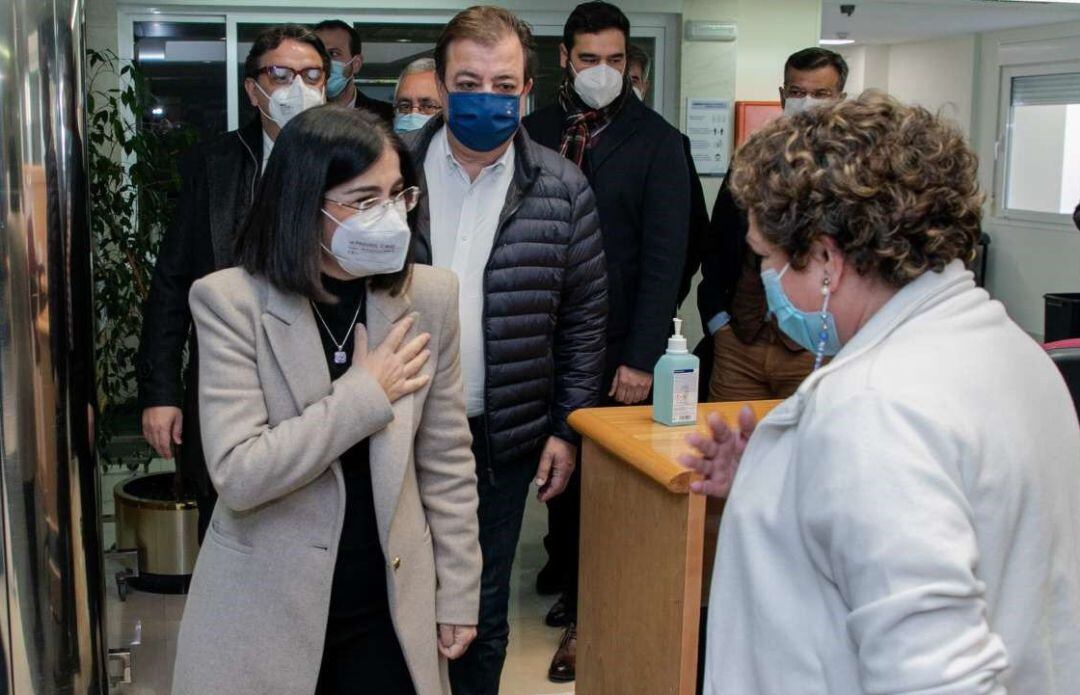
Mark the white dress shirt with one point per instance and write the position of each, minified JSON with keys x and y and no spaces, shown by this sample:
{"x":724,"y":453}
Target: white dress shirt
{"x":464,"y":220}
{"x":268,"y":147}
{"x":908,"y":521}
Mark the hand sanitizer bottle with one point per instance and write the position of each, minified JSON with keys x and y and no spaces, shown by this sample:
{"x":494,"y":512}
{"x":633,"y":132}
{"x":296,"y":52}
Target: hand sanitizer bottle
{"x":675,"y":383}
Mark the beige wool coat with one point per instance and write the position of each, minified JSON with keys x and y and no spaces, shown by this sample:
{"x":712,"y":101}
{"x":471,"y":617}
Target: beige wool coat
{"x":273,"y":427}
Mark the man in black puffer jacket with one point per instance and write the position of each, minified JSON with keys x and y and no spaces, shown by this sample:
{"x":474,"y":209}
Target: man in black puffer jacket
{"x":518,"y":224}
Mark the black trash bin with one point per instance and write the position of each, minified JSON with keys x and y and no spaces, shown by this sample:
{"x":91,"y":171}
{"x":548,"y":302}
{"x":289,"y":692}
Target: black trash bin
{"x":1062,"y":317}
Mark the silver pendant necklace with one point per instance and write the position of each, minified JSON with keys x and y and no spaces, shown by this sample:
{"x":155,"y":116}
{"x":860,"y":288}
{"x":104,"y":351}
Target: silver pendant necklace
{"x":339,"y":355}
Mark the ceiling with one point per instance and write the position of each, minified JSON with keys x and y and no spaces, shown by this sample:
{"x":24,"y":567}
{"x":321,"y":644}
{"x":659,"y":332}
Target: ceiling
{"x":895,"y":21}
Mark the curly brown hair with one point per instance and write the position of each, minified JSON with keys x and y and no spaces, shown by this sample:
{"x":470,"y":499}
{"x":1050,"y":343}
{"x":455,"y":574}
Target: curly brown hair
{"x":893,"y":185}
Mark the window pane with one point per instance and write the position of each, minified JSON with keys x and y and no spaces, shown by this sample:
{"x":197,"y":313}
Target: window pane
{"x":388,"y":48}
{"x":185,"y":64}
{"x":1044,"y":126}
{"x":1035,"y":90}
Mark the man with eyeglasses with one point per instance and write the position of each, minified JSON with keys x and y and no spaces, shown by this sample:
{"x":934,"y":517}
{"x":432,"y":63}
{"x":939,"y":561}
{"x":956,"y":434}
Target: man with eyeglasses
{"x":416,"y":97}
{"x":285,"y":73}
{"x":752,"y":358}
{"x":343,"y":43}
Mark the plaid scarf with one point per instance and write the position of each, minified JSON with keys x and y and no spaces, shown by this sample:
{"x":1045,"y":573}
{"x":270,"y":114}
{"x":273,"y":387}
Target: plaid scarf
{"x":583,"y":123}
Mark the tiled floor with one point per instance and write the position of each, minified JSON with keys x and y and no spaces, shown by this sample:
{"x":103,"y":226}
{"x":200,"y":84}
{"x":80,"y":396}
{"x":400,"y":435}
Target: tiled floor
{"x":151,"y":620}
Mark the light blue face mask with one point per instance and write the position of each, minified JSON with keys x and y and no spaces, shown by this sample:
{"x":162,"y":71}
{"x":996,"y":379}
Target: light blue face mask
{"x":405,"y":122}
{"x":336,"y":83}
{"x":813,"y":330}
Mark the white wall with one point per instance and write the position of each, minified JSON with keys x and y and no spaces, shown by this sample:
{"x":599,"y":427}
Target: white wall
{"x":938,"y":75}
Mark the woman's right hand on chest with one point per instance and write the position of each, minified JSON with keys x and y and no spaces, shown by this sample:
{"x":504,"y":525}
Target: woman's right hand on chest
{"x":395,"y":363}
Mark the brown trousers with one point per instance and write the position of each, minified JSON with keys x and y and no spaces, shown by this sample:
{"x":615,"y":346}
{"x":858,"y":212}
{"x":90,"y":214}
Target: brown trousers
{"x":763,"y":370}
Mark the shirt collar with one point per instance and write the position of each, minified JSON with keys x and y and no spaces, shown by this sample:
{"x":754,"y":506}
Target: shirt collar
{"x":442,"y":142}
{"x":268,"y":145}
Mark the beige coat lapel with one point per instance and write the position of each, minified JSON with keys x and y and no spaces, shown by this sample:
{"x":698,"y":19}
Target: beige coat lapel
{"x":290,"y":328}
{"x":294,"y":338}
{"x":390,"y":448}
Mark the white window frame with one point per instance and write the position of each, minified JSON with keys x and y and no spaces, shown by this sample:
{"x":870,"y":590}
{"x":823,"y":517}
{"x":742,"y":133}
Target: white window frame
{"x":662,"y":28}
{"x":1004,"y":142}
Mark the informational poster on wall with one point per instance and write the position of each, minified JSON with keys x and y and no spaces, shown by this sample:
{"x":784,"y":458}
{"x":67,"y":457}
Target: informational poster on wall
{"x":708,"y":125}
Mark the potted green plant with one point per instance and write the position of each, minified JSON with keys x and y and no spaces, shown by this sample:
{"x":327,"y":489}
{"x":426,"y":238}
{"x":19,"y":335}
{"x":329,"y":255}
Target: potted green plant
{"x":134,"y":182}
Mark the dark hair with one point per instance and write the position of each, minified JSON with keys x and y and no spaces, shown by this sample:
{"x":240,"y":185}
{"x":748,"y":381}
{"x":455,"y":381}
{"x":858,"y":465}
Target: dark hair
{"x":815,"y":58}
{"x":593,"y":18}
{"x":895,"y":186}
{"x":271,"y":38}
{"x":320,"y":148}
{"x":636,"y":55}
{"x":486,"y":25}
{"x":356,"y":46}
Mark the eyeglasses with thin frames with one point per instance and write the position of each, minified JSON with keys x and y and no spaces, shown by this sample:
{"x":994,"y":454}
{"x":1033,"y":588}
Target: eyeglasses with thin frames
{"x":284,"y":75}
{"x":799,"y":93}
{"x":404,"y":202}
{"x":426,"y":107}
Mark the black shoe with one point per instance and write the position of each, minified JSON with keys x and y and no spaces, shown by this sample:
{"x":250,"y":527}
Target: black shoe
{"x":563,"y":667}
{"x":558,"y":616}
{"x":550,"y":581}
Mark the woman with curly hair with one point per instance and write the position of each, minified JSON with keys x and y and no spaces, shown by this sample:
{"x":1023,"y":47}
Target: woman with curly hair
{"x":906,"y":522}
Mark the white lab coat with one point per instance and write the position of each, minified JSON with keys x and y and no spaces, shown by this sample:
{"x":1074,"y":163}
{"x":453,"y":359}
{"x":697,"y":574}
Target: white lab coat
{"x":909,"y":520}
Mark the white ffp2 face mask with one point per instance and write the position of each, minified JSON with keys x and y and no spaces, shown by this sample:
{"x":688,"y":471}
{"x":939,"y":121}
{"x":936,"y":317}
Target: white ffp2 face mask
{"x":288,"y":102}
{"x":794,"y":106}
{"x":364,"y":245}
{"x":599,"y":85}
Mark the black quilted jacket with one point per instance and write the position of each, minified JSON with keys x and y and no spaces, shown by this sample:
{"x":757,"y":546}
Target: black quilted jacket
{"x":545,"y":299}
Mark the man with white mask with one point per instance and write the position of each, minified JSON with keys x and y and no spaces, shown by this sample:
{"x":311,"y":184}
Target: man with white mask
{"x":285,"y":73}
{"x":751,"y":358}
{"x":635,"y":162}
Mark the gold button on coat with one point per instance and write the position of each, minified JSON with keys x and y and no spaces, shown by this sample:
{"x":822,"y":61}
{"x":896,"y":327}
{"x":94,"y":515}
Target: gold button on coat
{"x":396,"y":562}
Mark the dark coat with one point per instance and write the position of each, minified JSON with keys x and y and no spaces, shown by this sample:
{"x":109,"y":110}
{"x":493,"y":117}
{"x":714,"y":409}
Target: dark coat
{"x":640,"y":176}
{"x":382,"y":109}
{"x":218,"y":181}
{"x":545,"y":298}
{"x":1076,"y":216}
{"x":722,"y":252}
{"x":699,"y":225}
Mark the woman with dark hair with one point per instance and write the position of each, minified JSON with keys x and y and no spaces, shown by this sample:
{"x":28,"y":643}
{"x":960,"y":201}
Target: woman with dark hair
{"x":907,"y":521}
{"x":343,"y":553}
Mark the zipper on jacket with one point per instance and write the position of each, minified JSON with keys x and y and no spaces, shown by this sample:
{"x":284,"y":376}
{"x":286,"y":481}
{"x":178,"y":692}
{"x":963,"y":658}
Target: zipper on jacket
{"x":258,"y":165}
{"x":483,"y":326}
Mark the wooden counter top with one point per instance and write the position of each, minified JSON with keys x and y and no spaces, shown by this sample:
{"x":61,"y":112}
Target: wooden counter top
{"x":631,"y":434}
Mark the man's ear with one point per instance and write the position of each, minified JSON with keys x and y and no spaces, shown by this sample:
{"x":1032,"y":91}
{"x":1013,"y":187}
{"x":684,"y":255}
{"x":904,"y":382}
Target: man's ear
{"x":252,"y":92}
{"x":564,"y":56}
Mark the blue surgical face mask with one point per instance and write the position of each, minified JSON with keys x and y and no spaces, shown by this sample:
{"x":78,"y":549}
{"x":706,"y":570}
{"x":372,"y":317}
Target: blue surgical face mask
{"x":482,"y":121}
{"x":337,"y":82}
{"x":813,"y":330}
{"x":405,"y":122}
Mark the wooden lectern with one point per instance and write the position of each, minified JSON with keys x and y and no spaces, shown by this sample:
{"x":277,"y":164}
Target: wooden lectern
{"x":644,"y":552}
